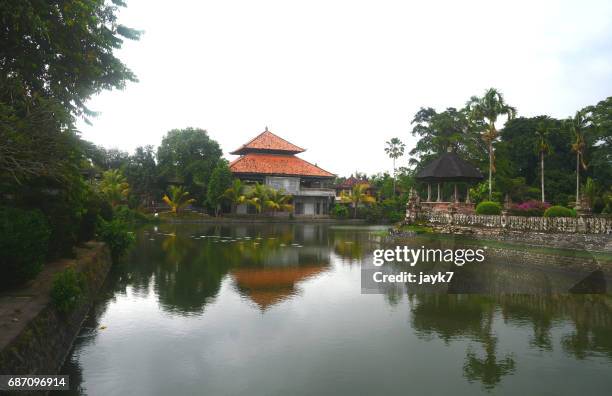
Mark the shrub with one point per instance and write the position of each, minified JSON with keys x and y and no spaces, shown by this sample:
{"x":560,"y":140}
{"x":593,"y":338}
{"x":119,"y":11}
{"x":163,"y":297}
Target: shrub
{"x":340,"y":211}
{"x":488,"y":208}
{"x":529,"y":208}
{"x":68,"y":290}
{"x":559,"y":211}
{"x":127,"y":215}
{"x":117,"y":236}
{"x":95,"y":207}
{"x":24,"y":237}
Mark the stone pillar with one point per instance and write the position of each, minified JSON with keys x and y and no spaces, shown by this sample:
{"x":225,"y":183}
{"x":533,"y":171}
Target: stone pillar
{"x":467,"y":194}
{"x":428,"y":192}
{"x":456,"y":196}
{"x":438,"y":200}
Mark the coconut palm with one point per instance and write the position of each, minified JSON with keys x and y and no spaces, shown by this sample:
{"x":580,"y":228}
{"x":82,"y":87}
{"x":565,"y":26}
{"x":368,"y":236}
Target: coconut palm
{"x":357,"y":196}
{"x":178,"y":199}
{"x":577,"y":125}
{"x":488,"y":109}
{"x":278,"y":200}
{"x":543,"y":130}
{"x":235,"y":194}
{"x":258,"y":196}
{"x":114,"y":186}
{"x":394,"y":149}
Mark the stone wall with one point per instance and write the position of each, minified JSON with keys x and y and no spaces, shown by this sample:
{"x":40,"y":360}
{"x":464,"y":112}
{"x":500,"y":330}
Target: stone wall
{"x":34,"y":337}
{"x":581,"y":224}
{"x":585,"y":232}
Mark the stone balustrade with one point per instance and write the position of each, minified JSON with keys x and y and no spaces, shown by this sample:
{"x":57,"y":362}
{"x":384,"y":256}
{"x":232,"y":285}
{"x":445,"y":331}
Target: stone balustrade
{"x":582,"y":224}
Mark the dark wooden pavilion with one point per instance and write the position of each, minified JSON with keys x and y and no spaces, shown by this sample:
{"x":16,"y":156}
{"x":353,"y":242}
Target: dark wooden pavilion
{"x":448,"y":168}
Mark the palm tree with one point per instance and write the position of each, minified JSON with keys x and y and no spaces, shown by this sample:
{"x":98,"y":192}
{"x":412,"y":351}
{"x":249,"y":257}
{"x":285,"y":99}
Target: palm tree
{"x":178,"y":199}
{"x":114,"y":186}
{"x":258,"y":196}
{"x":235,"y":194}
{"x":577,"y":125}
{"x":357,"y":196}
{"x":488,"y":109}
{"x":277,"y":200}
{"x":543,"y":129}
{"x":394,"y":149}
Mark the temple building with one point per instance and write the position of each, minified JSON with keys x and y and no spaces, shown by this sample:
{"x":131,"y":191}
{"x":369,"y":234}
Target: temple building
{"x":271,"y":160}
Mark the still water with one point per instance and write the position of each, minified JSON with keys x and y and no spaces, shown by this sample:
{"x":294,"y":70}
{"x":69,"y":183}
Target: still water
{"x":278,"y":310}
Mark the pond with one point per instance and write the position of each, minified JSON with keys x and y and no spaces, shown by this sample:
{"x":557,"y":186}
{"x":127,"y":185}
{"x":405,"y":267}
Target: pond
{"x":278,"y":309}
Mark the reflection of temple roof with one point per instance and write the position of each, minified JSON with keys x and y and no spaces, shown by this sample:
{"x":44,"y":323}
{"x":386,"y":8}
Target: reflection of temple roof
{"x":449,"y":167}
{"x":269,"y":286}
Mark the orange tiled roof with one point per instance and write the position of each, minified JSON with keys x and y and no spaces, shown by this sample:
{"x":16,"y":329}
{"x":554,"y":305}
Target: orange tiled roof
{"x":351,"y":181}
{"x":267,"y":141}
{"x":274,"y":164}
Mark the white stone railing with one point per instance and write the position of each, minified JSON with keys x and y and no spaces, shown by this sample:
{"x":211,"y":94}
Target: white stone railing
{"x":586,"y":224}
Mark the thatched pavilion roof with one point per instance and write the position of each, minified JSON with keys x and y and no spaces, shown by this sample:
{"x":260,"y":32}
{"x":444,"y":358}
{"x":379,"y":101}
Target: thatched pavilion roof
{"x":449,"y":167}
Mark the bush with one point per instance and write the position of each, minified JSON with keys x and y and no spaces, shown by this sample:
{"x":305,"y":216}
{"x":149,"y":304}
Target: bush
{"x":24,"y":238}
{"x":68,"y":290}
{"x":117,"y":236}
{"x":127,"y":215}
{"x":488,"y":208}
{"x":95,"y":207}
{"x":340,"y":211}
{"x":559,"y":211}
{"x":530,"y":208}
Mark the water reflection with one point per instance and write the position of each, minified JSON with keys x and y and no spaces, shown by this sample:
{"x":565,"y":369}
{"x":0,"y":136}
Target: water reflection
{"x":586,"y":321}
{"x":179,"y":298}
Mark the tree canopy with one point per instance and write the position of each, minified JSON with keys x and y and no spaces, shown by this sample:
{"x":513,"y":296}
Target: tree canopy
{"x":189,"y":155}
{"x":64,"y":49}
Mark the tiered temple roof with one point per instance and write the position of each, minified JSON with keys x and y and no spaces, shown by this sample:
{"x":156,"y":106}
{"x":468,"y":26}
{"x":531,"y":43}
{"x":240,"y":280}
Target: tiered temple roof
{"x":268,"y":154}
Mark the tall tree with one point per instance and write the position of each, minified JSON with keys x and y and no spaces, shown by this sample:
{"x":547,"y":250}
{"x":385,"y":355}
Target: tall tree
{"x":488,"y":109}
{"x":543,"y":146}
{"x":220,"y":181}
{"x":63,"y":49}
{"x":394,"y":149}
{"x":141,"y":172}
{"x":191,"y":155}
{"x":577,"y":125}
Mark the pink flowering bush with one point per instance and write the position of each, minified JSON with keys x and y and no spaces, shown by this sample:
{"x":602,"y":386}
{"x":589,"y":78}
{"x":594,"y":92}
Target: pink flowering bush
{"x":529,"y":208}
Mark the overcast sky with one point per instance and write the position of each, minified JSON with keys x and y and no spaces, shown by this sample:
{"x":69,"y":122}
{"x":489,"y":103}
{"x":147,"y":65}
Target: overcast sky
{"x":339,"y":78}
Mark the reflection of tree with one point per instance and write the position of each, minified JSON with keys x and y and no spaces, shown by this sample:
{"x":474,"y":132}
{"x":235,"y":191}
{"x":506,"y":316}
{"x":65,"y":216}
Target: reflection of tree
{"x":453,"y":316}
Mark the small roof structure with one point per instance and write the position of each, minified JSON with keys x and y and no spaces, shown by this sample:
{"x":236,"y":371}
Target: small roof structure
{"x":351,"y":181}
{"x":269,"y":143}
{"x":449,"y":167}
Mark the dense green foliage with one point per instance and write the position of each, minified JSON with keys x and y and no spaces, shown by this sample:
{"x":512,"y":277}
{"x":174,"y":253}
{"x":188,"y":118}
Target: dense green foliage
{"x":64,"y":49}
{"x":220,"y":181}
{"x":488,"y":208}
{"x":340,"y":211}
{"x":559,"y":211}
{"x":68,"y":290}
{"x":188,"y":156}
{"x":24,"y":237}
{"x":54,"y":56}
{"x":117,"y":236}
{"x":520,"y":149}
